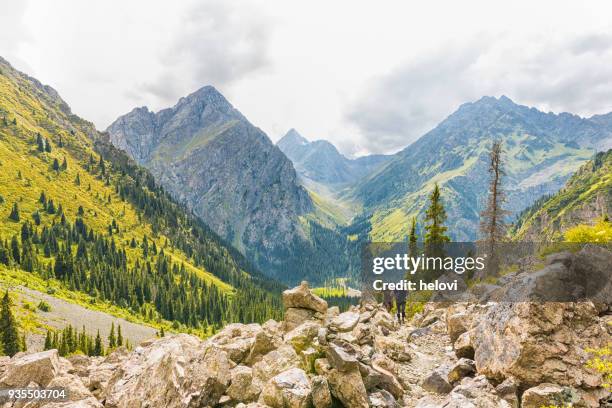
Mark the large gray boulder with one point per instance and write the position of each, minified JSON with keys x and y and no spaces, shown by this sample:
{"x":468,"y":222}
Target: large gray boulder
{"x":23,"y":369}
{"x":301,"y":297}
{"x":289,"y":389}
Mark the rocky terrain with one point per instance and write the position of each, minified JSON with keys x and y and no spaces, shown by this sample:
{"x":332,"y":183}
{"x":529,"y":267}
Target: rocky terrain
{"x":470,"y":353}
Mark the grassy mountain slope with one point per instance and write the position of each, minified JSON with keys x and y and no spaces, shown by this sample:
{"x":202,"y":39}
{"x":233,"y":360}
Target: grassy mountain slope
{"x":112,"y":235}
{"x":585,"y":199}
{"x":541,"y":151}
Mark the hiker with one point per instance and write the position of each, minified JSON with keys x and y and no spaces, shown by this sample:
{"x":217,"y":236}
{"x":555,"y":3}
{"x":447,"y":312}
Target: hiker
{"x":400,"y":302}
{"x":388,"y":300}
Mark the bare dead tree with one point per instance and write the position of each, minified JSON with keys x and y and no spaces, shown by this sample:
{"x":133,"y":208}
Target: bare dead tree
{"x":493,"y":228}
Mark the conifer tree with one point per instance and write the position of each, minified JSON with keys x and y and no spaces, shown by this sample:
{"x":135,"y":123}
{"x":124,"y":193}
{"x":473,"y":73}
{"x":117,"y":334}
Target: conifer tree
{"x":98,"y":349}
{"x":413,"y":238}
{"x":119,"y":336}
{"x":435,"y":216}
{"x":55,"y":165}
{"x":14,"y":215}
{"x":47,"y":146}
{"x":15,"y":252}
{"x":9,"y":333}
{"x":39,"y":142}
{"x":64,"y":164}
{"x":112,"y":342}
{"x":48,"y":341}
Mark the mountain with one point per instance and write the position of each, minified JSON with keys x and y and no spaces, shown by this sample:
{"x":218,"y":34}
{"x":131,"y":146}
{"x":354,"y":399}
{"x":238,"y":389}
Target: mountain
{"x":321,"y":162}
{"x":541,"y":151}
{"x":585,"y":199}
{"x":229,"y":173}
{"x":81,"y":221}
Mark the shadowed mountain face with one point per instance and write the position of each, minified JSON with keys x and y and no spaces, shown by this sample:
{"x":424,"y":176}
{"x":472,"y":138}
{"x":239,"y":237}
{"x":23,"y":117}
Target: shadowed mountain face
{"x":541,"y":151}
{"x":226,"y":170}
{"x":321,"y":162}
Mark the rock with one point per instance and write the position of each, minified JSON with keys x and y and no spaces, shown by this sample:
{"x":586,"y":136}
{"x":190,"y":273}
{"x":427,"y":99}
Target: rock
{"x":266,"y":340}
{"x":322,"y":366}
{"x":456,"y":325}
{"x":548,"y":394}
{"x":388,"y":382}
{"x":289,"y":389}
{"x":322,"y":336}
{"x":437,"y":382}
{"x":72,"y":384}
{"x":382,"y":399}
{"x":474,"y":393}
{"x":348,"y":388}
{"x":393,"y":348}
{"x":463,"y":346}
{"x":344,"y":322}
{"x":274,"y":363}
{"x":236,"y":340}
{"x":174,"y":371}
{"x":564,"y":258}
{"x":23,"y":369}
{"x":341,"y":359}
{"x":309,"y":356}
{"x":90,"y":402}
{"x":295,"y":316}
{"x":383,"y":320}
{"x":241,"y":387}
{"x":321,"y":396}
{"x":539,"y":342}
{"x":508,"y":391}
{"x":303,"y":335}
{"x":462,"y":368}
{"x":301,"y":297}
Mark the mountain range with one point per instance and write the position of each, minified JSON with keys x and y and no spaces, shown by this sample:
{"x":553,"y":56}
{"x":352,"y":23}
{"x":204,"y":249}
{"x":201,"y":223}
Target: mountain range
{"x":229,"y":173}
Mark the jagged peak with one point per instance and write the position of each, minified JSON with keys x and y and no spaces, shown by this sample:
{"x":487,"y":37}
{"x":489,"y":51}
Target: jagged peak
{"x":293,"y":137}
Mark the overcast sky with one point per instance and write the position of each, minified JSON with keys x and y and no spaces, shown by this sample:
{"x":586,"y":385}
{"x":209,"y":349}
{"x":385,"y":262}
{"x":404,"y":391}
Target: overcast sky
{"x":370,"y":76}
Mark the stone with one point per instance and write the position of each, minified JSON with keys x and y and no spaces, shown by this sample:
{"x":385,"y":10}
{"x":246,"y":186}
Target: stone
{"x":462,"y":368}
{"x":456,"y":325}
{"x":296,"y":316}
{"x":90,"y":402}
{"x":341,"y":359}
{"x":508,"y":390}
{"x":236,"y":340}
{"x":388,"y":382}
{"x":289,"y":389}
{"x":348,"y":388}
{"x":344,"y":322}
{"x":301,"y":297}
{"x":174,"y":371}
{"x":437,"y":382}
{"x":273,"y":363}
{"x":302,"y":336}
{"x":23,"y":369}
{"x":382,"y":399}
{"x":547,"y":394}
{"x":463,"y":346}
{"x":241,"y":387}
{"x":266,"y":340}
{"x":393,"y":348}
{"x":321,"y":396}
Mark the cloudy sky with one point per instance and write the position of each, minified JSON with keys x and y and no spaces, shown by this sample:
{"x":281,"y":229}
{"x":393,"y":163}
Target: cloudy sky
{"x":371,"y":76}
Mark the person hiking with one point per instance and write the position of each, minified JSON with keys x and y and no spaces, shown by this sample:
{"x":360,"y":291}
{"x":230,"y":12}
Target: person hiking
{"x":400,"y":302}
{"x":388,"y":300}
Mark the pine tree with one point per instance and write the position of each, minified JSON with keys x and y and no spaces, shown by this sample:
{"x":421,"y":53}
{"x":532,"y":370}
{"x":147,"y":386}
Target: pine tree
{"x":162,"y":333}
{"x":492,"y":225}
{"x":119,"y":336}
{"x":64,"y":164}
{"x":47,"y":145}
{"x":435,"y":231}
{"x":112,"y":342}
{"x":48,"y":341}
{"x":9,"y":333}
{"x":55,"y":165}
{"x":15,"y":252}
{"x":14,"y":215}
{"x":40,"y":143}
{"x":77,"y":180}
{"x":413,"y":238}
{"x":98,"y":349}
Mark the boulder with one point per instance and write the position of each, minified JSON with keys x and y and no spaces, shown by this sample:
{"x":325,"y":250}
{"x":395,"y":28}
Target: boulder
{"x":295,"y":316}
{"x":508,"y":390}
{"x":462,"y":368}
{"x":321,"y":396}
{"x":341,"y":359}
{"x":546,"y":395}
{"x":90,"y":402}
{"x":174,"y":371}
{"x":241,"y":387}
{"x":273,"y":363}
{"x":382,"y":399}
{"x":456,"y":325}
{"x":344,"y":322}
{"x":348,"y":388}
{"x":393,"y":348}
{"x":301,"y":297}
{"x":266,"y":340}
{"x":289,"y":389}
{"x":302,"y":336}
{"x":23,"y":369}
{"x":474,"y":393}
{"x":463,"y":346}
{"x":388,"y":382}
{"x":437,"y":382}
{"x":236,"y":340}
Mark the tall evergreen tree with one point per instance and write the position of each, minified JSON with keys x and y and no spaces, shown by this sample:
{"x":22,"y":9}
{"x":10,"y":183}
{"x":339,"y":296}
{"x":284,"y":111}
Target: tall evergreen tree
{"x":435,"y":216}
{"x":119,"y":336}
{"x":47,"y":146}
{"x":55,"y":165}
{"x":98,"y":349}
{"x":492,"y":225}
{"x":39,"y":143}
{"x":112,"y":341}
{"x":14,"y":215}
{"x":9,"y":333}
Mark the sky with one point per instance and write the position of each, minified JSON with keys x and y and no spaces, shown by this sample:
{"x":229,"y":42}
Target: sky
{"x":369,"y":76}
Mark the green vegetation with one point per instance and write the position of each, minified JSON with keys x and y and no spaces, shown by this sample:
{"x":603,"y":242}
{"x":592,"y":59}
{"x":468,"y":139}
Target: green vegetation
{"x":69,"y":341}
{"x":87,"y":224}
{"x":10,"y":341}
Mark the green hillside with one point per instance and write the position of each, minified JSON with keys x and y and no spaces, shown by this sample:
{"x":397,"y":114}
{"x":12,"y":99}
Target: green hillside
{"x":77,"y":212}
{"x":585,"y":200}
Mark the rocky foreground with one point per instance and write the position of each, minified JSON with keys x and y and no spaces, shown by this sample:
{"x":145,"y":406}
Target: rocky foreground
{"x":461,"y":354}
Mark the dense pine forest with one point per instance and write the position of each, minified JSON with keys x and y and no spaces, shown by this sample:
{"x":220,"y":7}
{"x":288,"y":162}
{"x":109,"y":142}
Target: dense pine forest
{"x":77,"y":211}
